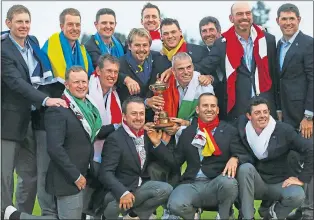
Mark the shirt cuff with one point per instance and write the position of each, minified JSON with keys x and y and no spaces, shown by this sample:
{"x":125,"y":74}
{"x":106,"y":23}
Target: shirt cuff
{"x":126,"y":192}
{"x":159,"y":144}
{"x":279,"y":111}
{"x":45,"y":100}
{"x":116,"y":126}
{"x":307,"y":112}
{"x":78,"y":178}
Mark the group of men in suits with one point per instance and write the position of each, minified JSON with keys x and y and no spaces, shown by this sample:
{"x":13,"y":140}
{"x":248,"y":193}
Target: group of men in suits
{"x":241,"y":64}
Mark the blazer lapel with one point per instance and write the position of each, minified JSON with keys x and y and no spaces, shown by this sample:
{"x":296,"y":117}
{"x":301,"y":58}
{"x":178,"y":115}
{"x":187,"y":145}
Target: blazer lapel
{"x":18,"y":55}
{"x":132,"y":149}
{"x":290,"y":53}
{"x":278,"y":56}
{"x":87,"y":135}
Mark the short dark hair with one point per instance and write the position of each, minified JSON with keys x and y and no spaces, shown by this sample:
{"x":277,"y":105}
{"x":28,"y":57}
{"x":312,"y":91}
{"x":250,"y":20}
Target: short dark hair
{"x":210,"y":19}
{"x":107,"y":57}
{"x":169,"y":21}
{"x":130,"y":99}
{"x":17,"y":9}
{"x":150,"y":5}
{"x":255,"y":101}
{"x":205,"y":94}
{"x":68,"y":11}
{"x":288,"y":7}
{"x":105,"y":11}
{"x":74,"y":68}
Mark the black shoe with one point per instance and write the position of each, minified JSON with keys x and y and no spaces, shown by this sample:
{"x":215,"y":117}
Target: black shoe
{"x":296,"y":215}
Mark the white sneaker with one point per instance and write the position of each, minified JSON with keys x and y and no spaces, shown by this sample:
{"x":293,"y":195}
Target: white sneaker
{"x":152,"y":217}
{"x":129,"y":217}
{"x":8,"y":212}
{"x":198,"y":213}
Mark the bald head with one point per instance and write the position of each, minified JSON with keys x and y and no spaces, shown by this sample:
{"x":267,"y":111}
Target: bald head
{"x":240,"y":6}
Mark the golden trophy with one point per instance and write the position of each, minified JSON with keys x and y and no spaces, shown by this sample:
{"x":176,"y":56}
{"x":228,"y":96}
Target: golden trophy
{"x":163,"y":120}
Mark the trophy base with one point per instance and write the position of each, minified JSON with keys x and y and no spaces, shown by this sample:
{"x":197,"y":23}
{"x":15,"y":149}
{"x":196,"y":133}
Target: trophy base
{"x":164,"y":125}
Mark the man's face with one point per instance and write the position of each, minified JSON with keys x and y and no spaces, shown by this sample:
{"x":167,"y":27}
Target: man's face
{"x":19,"y":25}
{"x":209,"y":33}
{"x":140,"y":48}
{"x":150,"y":19}
{"x":288,"y":23}
{"x":171,"y":35}
{"x":106,"y":25}
{"x":241,"y":17}
{"x":108,"y":74}
{"x":77,"y":84}
{"x":135,"y":116}
{"x":207,"y":109}
{"x":71,"y":27}
{"x":183,"y":71}
{"x":259,"y":116}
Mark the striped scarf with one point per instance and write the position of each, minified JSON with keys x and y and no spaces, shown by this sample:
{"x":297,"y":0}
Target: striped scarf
{"x":234,"y":54}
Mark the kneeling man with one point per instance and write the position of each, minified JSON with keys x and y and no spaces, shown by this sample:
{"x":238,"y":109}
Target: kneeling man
{"x":207,"y":146}
{"x":123,"y":169}
{"x":266,"y":175}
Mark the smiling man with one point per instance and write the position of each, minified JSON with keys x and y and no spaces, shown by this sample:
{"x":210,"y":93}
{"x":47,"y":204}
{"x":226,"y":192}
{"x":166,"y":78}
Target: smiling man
{"x":210,"y":30}
{"x":64,"y":49}
{"x":104,"y":42}
{"x":264,"y":175}
{"x":151,"y":22}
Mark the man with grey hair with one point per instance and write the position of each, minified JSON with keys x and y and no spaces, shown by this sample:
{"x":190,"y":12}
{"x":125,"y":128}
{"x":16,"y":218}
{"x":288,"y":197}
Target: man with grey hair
{"x":25,"y":75}
{"x":210,"y":30}
{"x":295,"y":88}
{"x":70,"y":134}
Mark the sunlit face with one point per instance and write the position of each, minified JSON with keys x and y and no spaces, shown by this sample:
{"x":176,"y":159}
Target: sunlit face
{"x":71,"y":27}
{"x":106,"y":25}
{"x":241,"y":17}
{"x":207,"y":109}
{"x":288,"y":23}
{"x":77,"y":84}
{"x":171,"y":35}
{"x":19,"y":25}
{"x":140,"y":48}
{"x":150,"y":19}
{"x":259,"y":116}
{"x":135,"y":116}
{"x":108,"y":75}
{"x":183,"y":71}
{"x":209,"y":33}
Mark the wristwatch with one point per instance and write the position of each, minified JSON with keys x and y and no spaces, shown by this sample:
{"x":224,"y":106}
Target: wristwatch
{"x":308,"y":117}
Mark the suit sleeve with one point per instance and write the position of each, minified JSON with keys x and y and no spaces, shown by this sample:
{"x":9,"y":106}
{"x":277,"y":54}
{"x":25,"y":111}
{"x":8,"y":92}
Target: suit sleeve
{"x":105,"y":130}
{"x":209,"y":64}
{"x":12,"y":77}
{"x":308,"y":69}
{"x":173,"y":159}
{"x":110,"y":160}
{"x":238,"y":150}
{"x":305,"y":149}
{"x":55,"y":125}
{"x":90,"y":65}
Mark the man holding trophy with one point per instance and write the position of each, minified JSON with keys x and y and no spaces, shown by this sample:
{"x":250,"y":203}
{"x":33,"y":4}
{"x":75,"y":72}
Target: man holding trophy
{"x":177,"y":101}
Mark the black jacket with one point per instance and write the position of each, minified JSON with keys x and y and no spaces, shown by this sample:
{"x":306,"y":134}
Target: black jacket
{"x":227,"y":139}
{"x":275,"y":167}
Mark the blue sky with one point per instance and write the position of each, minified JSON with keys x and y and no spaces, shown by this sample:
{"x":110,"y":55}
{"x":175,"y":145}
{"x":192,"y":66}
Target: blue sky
{"x":45,"y":14}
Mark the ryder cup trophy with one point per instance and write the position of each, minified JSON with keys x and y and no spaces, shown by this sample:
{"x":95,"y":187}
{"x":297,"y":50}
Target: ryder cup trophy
{"x":163,"y":121}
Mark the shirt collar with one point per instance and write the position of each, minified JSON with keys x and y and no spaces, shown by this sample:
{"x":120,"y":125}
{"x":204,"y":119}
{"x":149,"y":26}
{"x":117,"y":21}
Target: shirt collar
{"x":242,"y":39}
{"x":19,"y":47}
{"x":178,"y":85}
{"x":291,"y":39}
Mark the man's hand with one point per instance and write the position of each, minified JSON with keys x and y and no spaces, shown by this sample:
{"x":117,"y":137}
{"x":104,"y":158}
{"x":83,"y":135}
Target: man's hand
{"x":292,"y":181}
{"x":56,"y":102}
{"x":306,"y":128}
{"x":205,"y":80}
{"x":126,"y":202}
{"x":164,"y":77}
{"x":231,"y":167}
{"x":155,"y":102}
{"x":148,"y":125}
{"x":279,"y":115}
{"x":154,"y":136}
{"x":172,"y":130}
{"x":81,"y":182}
{"x":133,"y":86}
{"x":180,"y":121}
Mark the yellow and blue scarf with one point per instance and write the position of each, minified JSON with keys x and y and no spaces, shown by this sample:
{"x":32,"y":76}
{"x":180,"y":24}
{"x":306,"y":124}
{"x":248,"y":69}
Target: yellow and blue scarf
{"x":60,"y":54}
{"x":116,"y":48}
